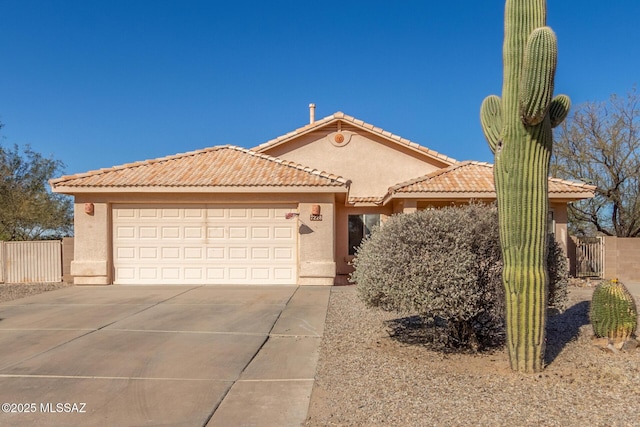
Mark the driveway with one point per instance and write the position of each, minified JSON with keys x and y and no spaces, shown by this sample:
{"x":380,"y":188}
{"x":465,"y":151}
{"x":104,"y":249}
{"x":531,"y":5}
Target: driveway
{"x":151,"y":355}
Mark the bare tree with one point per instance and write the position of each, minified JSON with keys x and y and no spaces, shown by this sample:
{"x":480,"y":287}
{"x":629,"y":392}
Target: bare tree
{"x":600,"y":144}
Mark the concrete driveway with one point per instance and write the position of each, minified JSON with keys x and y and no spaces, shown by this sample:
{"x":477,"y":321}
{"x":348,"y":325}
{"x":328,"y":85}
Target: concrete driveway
{"x":178,"y":356}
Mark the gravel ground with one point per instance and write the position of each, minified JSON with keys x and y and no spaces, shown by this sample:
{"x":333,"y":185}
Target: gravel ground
{"x":12,"y":291}
{"x":366,"y":378}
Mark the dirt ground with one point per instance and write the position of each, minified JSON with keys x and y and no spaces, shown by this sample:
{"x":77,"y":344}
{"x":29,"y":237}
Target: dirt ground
{"x":365,"y":377}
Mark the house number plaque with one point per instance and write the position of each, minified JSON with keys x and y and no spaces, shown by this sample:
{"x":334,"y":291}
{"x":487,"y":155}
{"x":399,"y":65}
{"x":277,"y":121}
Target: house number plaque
{"x":316,"y":217}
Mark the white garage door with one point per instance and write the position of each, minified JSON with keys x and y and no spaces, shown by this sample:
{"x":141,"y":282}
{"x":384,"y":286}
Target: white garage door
{"x":204,"y":244}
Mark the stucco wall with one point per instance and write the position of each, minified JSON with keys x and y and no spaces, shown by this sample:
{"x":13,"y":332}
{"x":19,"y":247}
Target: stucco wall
{"x":373,"y":164}
{"x":560,"y":220}
{"x":316,"y":249}
{"x":622,"y":259}
{"x":92,"y":243}
{"x":67,"y":259}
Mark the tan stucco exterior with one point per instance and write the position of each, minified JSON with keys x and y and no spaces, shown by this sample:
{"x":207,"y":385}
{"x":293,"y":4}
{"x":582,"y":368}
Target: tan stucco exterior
{"x":622,"y":258}
{"x":92,"y":243}
{"x":93,"y":264}
{"x":347,"y":167}
{"x":370,"y":162}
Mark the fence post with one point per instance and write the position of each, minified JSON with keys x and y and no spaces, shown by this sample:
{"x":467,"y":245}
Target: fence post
{"x":2,"y":262}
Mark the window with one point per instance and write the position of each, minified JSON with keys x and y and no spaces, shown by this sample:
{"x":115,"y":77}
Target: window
{"x":360,"y":226}
{"x":551,"y":222}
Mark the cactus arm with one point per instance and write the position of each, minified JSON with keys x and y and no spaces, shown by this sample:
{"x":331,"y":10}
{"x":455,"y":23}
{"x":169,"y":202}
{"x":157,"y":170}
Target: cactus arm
{"x":539,"y":68}
{"x":559,"y":109}
{"x":491,"y":120}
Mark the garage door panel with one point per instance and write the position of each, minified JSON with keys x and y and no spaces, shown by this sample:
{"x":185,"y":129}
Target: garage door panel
{"x":126,"y":253}
{"x":193,"y":232}
{"x":149,"y":252}
{"x":204,"y":245}
{"x":215,"y":232}
{"x":283,"y":254}
{"x":283,"y":274}
{"x":238,"y":213}
{"x":125,"y":273}
{"x":193,"y":273}
{"x":193,"y":253}
{"x":261,"y":232}
{"x":283,"y":233}
{"x":170,"y":253}
{"x":260,"y":273}
{"x":238,"y":273}
{"x":215,"y":213}
{"x":125,"y":232}
{"x":258,"y":213}
{"x":171,"y":213}
{"x":215,"y":274}
{"x":126,"y":213}
{"x":260,"y":253}
{"x":170,"y":232}
{"x":148,"y":213}
{"x":148,"y":273}
{"x":215,"y":253}
{"x":194,"y":213}
{"x":238,"y":253}
{"x":239,"y":232}
{"x":148,"y":232}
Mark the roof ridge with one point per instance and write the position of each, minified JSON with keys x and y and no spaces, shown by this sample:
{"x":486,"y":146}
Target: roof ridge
{"x":139,"y":163}
{"x":576,"y":182}
{"x":128,"y":166}
{"x":298,"y":166}
{"x":433,"y":174}
{"x":339,"y":115}
{"x":453,"y":168}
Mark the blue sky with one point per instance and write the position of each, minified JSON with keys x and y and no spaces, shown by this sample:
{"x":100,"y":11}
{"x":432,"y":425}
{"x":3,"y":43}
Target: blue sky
{"x":101,"y":83}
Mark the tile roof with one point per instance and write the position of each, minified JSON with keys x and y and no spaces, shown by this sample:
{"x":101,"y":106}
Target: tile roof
{"x":220,"y":166}
{"x":340,"y":116}
{"x":477,"y":177}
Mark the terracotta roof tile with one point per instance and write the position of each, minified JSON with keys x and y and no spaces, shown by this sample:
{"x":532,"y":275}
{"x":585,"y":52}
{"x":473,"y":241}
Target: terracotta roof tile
{"x":359,"y":123}
{"x":220,"y":166}
{"x":476,"y":177}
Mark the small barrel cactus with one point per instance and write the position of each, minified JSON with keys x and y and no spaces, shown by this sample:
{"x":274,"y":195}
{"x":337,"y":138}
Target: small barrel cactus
{"x":613,"y":311}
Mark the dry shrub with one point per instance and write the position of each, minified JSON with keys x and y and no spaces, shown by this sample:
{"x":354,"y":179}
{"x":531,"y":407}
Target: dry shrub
{"x":445,"y":266}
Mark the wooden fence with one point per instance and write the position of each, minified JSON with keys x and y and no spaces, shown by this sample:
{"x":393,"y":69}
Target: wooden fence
{"x":31,"y":262}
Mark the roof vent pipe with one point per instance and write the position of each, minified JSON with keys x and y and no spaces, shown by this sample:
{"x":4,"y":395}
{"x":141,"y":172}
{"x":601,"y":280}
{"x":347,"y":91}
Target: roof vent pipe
{"x":312,"y":113}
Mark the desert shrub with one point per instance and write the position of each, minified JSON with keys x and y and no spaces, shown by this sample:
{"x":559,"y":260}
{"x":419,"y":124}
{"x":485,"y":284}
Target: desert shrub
{"x":558,"y":268}
{"x":444,"y":265}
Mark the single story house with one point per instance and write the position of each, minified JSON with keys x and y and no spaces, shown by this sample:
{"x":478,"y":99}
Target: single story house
{"x":289,"y":211}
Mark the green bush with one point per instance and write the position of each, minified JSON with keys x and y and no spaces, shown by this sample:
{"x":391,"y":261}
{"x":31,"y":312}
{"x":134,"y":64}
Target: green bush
{"x":444,"y":265}
{"x":558,"y":268}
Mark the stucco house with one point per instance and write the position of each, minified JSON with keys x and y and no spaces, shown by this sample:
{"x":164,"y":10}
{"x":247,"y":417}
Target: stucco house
{"x":289,"y":211}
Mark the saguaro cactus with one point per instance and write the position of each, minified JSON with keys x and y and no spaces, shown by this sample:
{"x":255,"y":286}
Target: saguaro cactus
{"x":518,"y":129}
